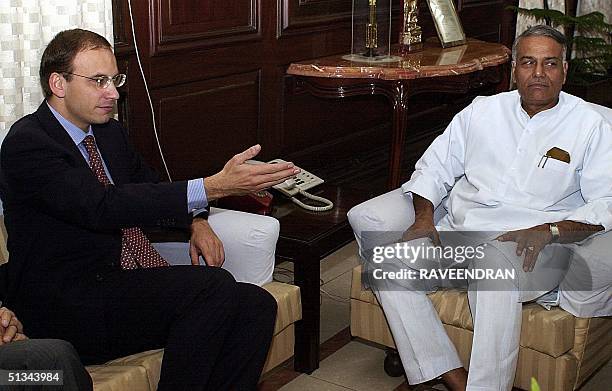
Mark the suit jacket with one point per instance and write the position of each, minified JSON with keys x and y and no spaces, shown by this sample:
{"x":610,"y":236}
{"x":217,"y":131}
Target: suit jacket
{"x":63,"y":225}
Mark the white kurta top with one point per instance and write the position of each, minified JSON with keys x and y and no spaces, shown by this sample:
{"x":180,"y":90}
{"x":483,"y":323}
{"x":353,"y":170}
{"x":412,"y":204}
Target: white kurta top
{"x":490,"y":163}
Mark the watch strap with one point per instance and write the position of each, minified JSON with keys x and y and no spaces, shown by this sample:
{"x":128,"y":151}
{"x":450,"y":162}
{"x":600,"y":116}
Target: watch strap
{"x":203,"y":214}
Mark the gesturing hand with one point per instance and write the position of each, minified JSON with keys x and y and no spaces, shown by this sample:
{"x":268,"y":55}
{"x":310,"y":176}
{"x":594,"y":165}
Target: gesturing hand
{"x":529,"y":241}
{"x":238,"y":177}
{"x":204,"y":241}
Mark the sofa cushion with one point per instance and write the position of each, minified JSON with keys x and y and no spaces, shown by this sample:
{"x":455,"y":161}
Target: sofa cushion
{"x":453,"y":308}
{"x":594,"y":341}
{"x":3,"y":237}
{"x":150,"y":360}
{"x":289,"y":304}
{"x":281,"y":348}
{"x":550,"y":332}
{"x":119,"y":378}
{"x":368,"y":322}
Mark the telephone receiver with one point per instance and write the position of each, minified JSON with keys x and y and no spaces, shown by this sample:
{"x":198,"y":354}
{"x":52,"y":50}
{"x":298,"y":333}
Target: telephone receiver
{"x":298,"y":184}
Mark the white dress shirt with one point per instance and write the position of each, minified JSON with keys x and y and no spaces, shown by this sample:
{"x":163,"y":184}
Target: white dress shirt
{"x":490,"y":162}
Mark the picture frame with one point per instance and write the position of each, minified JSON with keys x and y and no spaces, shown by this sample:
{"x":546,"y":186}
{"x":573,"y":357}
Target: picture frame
{"x":447,"y":22}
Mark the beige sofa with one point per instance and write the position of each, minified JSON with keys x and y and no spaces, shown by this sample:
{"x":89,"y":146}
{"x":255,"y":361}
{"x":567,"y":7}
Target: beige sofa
{"x":558,"y":349}
{"x":140,"y":372}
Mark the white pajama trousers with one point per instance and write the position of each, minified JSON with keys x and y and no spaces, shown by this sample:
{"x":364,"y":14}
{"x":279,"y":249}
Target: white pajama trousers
{"x":423,"y":345}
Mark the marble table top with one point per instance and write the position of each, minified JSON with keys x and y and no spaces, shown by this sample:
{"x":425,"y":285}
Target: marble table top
{"x":432,"y":61}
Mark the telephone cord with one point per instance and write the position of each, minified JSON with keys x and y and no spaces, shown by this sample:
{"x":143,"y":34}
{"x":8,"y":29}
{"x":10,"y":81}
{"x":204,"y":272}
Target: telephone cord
{"x":328,"y":204}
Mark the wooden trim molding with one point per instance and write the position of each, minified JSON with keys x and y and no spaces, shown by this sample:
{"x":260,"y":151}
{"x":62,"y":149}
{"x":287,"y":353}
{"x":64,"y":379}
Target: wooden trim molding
{"x":174,"y":31}
{"x":309,"y":16}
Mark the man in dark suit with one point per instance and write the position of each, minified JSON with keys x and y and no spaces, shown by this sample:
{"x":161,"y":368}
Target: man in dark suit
{"x":75,"y":194}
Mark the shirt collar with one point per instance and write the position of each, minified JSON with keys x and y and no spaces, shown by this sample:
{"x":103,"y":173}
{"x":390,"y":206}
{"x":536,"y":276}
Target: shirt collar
{"x":76,"y":134}
{"x":545,"y":113}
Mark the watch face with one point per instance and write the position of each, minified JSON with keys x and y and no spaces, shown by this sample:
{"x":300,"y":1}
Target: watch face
{"x":554,"y":230}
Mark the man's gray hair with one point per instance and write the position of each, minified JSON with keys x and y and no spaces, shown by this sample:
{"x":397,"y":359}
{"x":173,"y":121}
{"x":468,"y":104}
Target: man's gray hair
{"x":541,"y":31}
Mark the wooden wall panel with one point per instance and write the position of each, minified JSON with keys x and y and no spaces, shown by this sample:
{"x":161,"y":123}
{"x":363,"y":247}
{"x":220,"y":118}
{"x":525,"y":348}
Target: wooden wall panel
{"x":195,"y":16}
{"x":192,"y":24}
{"x":188,"y":112}
{"x":474,"y":25}
{"x":308,"y":16}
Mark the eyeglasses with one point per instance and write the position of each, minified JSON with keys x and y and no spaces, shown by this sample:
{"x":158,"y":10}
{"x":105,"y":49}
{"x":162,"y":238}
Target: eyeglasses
{"x":103,"y":82}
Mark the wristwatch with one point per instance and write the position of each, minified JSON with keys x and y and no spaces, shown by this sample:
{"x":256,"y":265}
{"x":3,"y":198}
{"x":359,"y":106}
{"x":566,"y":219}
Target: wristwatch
{"x":554,"y":231}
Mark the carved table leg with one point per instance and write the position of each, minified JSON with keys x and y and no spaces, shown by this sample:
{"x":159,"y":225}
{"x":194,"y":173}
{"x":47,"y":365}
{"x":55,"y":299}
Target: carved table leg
{"x":399,"y":100}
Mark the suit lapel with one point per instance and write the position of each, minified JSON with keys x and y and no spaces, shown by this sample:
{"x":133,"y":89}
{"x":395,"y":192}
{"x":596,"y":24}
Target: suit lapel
{"x":56,"y":131}
{"x":108,"y":139}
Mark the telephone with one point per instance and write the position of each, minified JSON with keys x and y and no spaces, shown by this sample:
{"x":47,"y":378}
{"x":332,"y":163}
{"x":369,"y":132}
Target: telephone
{"x":298,"y":185}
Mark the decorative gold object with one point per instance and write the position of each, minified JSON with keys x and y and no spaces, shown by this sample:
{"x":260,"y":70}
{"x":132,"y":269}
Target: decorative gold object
{"x":371,"y":39}
{"x":410,"y":36}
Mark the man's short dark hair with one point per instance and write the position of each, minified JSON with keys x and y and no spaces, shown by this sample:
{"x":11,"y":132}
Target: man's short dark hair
{"x":541,"y":30}
{"x":61,"y":51}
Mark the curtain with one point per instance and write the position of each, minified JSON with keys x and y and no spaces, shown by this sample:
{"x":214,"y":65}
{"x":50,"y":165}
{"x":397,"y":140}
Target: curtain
{"x":584,"y":7}
{"x":523,"y":22}
{"x":603,"y":6}
{"x":26,"y":26}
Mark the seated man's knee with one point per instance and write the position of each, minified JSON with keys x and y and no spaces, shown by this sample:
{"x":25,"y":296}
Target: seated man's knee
{"x":60,"y":347}
{"x":365,"y":216}
{"x":259,"y":299}
{"x":196,"y":277}
{"x":388,"y":212}
{"x":42,"y":353}
{"x":269,"y":302}
{"x":221,"y":275}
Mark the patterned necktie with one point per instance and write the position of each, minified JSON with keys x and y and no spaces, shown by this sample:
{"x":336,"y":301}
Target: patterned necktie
{"x":136,"y":250}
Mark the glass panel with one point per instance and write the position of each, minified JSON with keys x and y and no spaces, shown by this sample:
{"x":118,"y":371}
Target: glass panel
{"x":371,"y":31}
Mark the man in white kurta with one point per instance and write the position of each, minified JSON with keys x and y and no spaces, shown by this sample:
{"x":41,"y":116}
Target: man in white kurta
{"x":534,"y":164}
